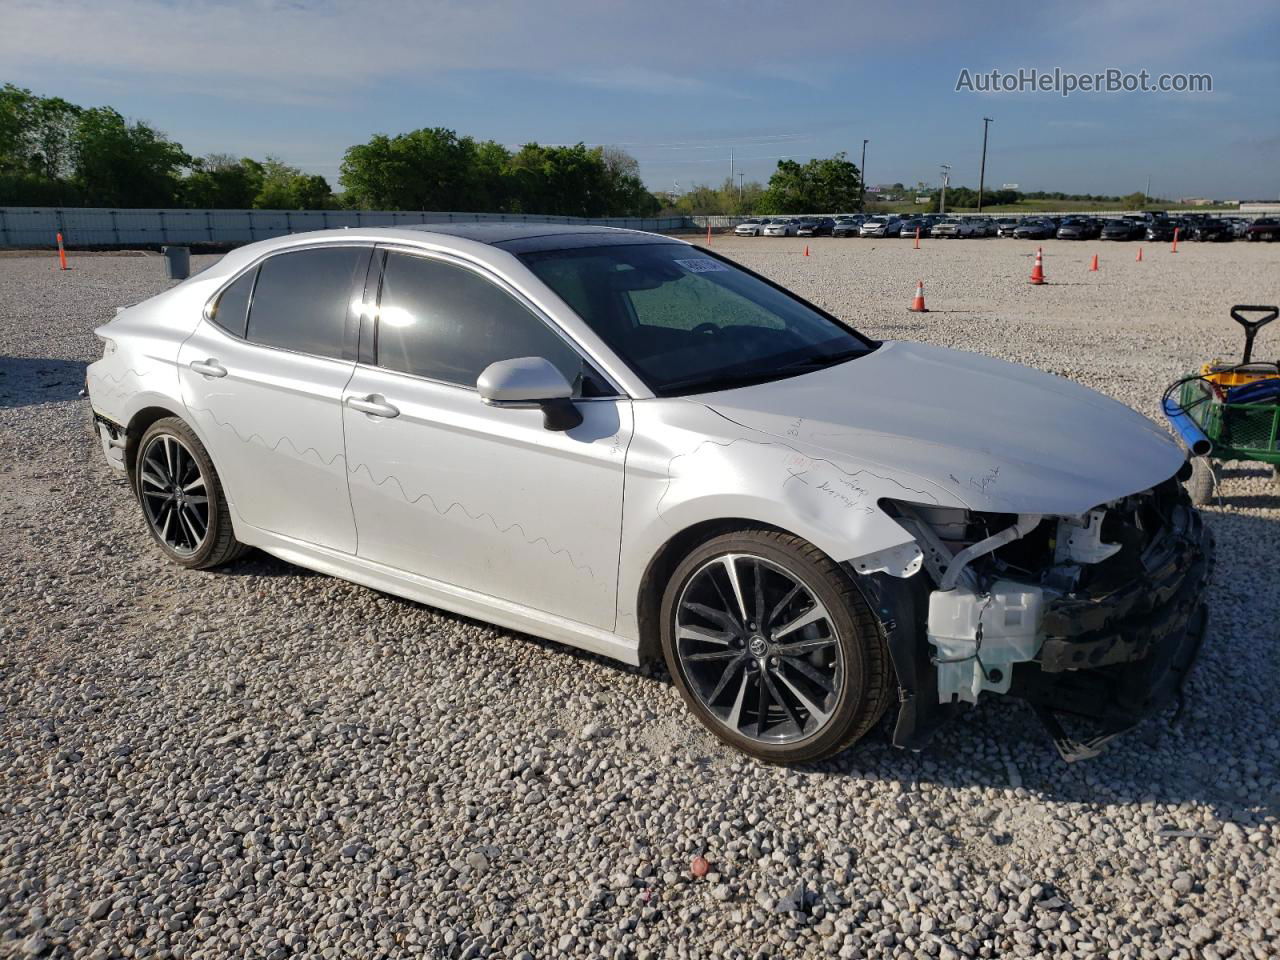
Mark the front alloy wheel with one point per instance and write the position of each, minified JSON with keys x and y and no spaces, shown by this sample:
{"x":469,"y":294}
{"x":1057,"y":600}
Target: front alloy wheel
{"x":773,"y":647}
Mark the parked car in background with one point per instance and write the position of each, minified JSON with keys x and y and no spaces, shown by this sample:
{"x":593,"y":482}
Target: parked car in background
{"x":750,"y":228}
{"x":894,"y":227}
{"x":1264,"y":228}
{"x":907,"y":228}
{"x":1159,"y":230}
{"x":589,"y":434}
{"x":1239,"y":225}
{"x":780,"y":227}
{"x":1034,"y":229}
{"x":848,"y":226}
{"x":1123,"y":228}
{"x":951,"y":228}
{"x":1213,"y":229}
{"x":874,"y":227}
{"x":817,"y":227}
{"x":1005,"y":226}
{"x":983,"y":226}
{"x":1076,"y":228}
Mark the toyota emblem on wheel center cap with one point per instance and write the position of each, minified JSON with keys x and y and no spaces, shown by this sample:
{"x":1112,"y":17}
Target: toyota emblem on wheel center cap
{"x":758,"y":646}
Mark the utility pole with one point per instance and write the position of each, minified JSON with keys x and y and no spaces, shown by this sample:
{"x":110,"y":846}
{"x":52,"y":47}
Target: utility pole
{"x":946,"y":179}
{"x":1147,"y":196}
{"x":731,"y":168}
{"x":741,"y":177}
{"x":862,"y":177}
{"x":982,"y":171}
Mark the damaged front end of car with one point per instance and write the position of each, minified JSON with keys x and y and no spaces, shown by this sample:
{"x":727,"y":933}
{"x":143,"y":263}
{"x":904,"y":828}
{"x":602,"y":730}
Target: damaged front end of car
{"x":1094,"y":620}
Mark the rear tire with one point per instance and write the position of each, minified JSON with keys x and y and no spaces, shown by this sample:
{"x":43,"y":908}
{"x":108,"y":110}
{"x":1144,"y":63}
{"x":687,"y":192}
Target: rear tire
{"x":795,"y":626}
{"x":182,"y":499}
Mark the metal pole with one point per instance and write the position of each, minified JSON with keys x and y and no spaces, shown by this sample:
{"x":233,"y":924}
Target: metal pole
{"x":862,"y":176}
{"x":946,"y":178}
{"x":982,"y":171}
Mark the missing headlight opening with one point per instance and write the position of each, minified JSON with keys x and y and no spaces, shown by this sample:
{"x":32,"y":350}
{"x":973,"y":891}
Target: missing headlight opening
{"x":1092,"y":619}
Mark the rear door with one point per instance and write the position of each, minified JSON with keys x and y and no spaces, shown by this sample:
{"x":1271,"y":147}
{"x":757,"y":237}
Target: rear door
{"x":479,"y":497}
{"x":262,"y":378}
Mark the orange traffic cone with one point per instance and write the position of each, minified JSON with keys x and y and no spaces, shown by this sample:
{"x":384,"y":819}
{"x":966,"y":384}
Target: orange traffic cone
{"x":1139,"y":254}
{"x":62,"y":253}
{"x":1037,"y":272}
{"x":806,"y":249}
{"x":708,"y":233}
{"x":1175,"y":240}
{"x":1093,"y":267}
{"x":917,"y":238}
{"x":917,"y":305}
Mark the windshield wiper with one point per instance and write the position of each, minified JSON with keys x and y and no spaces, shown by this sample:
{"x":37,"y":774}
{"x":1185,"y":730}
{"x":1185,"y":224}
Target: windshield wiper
{"x":817,"y":361}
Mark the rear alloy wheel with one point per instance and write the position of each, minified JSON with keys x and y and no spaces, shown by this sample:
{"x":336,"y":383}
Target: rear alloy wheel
{"x":181,"y":497}
{"x":773,"y":647}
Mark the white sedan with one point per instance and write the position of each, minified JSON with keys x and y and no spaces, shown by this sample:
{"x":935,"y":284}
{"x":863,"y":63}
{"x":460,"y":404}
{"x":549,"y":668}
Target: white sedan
{"x":750,"y":228}
{"x":622,"y":442}
{"x":781,"y":227}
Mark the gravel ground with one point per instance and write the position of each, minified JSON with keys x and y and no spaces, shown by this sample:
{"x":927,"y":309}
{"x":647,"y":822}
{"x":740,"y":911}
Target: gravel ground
{"x":264,"y":762}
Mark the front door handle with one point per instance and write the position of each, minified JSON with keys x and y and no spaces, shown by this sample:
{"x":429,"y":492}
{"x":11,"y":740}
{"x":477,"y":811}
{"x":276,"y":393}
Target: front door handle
{"x":375,"y":405}
{"x":209,"y":368}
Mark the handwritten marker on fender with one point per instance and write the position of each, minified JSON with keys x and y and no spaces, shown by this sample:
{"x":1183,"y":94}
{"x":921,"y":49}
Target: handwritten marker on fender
{"x":917,"y":305}
{"x":1037,"y":272}
{"x":62,"y":254}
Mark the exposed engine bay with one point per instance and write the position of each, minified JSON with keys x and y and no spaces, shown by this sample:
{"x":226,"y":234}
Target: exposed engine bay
{"x":1093,"y":618}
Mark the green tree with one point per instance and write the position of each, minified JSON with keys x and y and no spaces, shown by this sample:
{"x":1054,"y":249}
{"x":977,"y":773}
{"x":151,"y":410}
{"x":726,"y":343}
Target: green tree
{"x":428,"y":169}
{"x":287,"y":188}
{"x":123,"y":164}
{"x":222,"y":181}
{"x":822,"y":184}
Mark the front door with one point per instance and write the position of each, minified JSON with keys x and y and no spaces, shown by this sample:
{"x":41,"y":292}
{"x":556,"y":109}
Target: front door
{"x":480,"y":497}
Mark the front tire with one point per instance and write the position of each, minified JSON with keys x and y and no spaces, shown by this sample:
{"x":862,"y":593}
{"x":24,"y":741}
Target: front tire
{"x":773,"y":648}
{"x":181,"y":497}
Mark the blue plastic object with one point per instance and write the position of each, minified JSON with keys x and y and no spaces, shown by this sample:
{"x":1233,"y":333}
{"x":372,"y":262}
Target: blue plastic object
{"x":1187,"y":429}
{"x":1260,"y":391}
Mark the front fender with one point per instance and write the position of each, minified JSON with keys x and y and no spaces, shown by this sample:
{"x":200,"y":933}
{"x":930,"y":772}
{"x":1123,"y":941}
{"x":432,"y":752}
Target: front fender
{"x":688,"y":465}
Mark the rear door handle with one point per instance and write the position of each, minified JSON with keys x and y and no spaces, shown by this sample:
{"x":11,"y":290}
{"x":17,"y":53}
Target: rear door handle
{"x":375,"y":405}
{"x":209,"y":368}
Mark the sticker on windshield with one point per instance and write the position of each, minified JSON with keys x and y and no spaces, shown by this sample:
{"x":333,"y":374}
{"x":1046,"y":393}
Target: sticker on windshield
{"x":702,"y":265}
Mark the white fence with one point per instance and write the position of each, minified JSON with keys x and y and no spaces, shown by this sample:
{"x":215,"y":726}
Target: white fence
{"x":101,"y":227}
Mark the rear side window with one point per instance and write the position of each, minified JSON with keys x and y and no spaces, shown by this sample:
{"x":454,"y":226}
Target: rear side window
{"x":448,"y":323}
{"x":303,"y":300}
{"x":231,"y":312}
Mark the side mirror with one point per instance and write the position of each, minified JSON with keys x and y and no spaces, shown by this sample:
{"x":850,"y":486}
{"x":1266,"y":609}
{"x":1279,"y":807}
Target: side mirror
{"x":530,"y":382}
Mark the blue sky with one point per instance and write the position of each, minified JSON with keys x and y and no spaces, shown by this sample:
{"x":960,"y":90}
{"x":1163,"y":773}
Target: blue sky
{"x":681,"y":84}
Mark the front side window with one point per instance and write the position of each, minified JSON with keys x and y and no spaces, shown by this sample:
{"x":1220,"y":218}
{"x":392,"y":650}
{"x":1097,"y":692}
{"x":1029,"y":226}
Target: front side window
{"x":446,"y":322}
{"x":303,"y":299}
{"x":688,"y":323}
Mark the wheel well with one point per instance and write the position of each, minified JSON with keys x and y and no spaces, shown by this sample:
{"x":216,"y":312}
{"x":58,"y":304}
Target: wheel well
{"x":138,"y":425}
{"x":664,"y":563}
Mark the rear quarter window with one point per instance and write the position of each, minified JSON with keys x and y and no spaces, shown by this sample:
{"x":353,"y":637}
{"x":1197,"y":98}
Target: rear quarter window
{"x":231,"y":310}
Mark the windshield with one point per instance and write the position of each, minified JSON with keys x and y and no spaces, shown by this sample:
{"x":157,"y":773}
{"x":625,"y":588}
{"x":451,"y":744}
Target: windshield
{"x":686,"y":322}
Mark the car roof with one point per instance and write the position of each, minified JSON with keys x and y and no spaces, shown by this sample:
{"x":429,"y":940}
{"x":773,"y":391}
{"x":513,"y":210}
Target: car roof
{"x":528,"y":237}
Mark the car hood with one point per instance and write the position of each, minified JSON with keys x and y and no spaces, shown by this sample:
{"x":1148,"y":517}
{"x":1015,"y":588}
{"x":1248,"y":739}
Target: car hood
{"x":994,"y":436}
